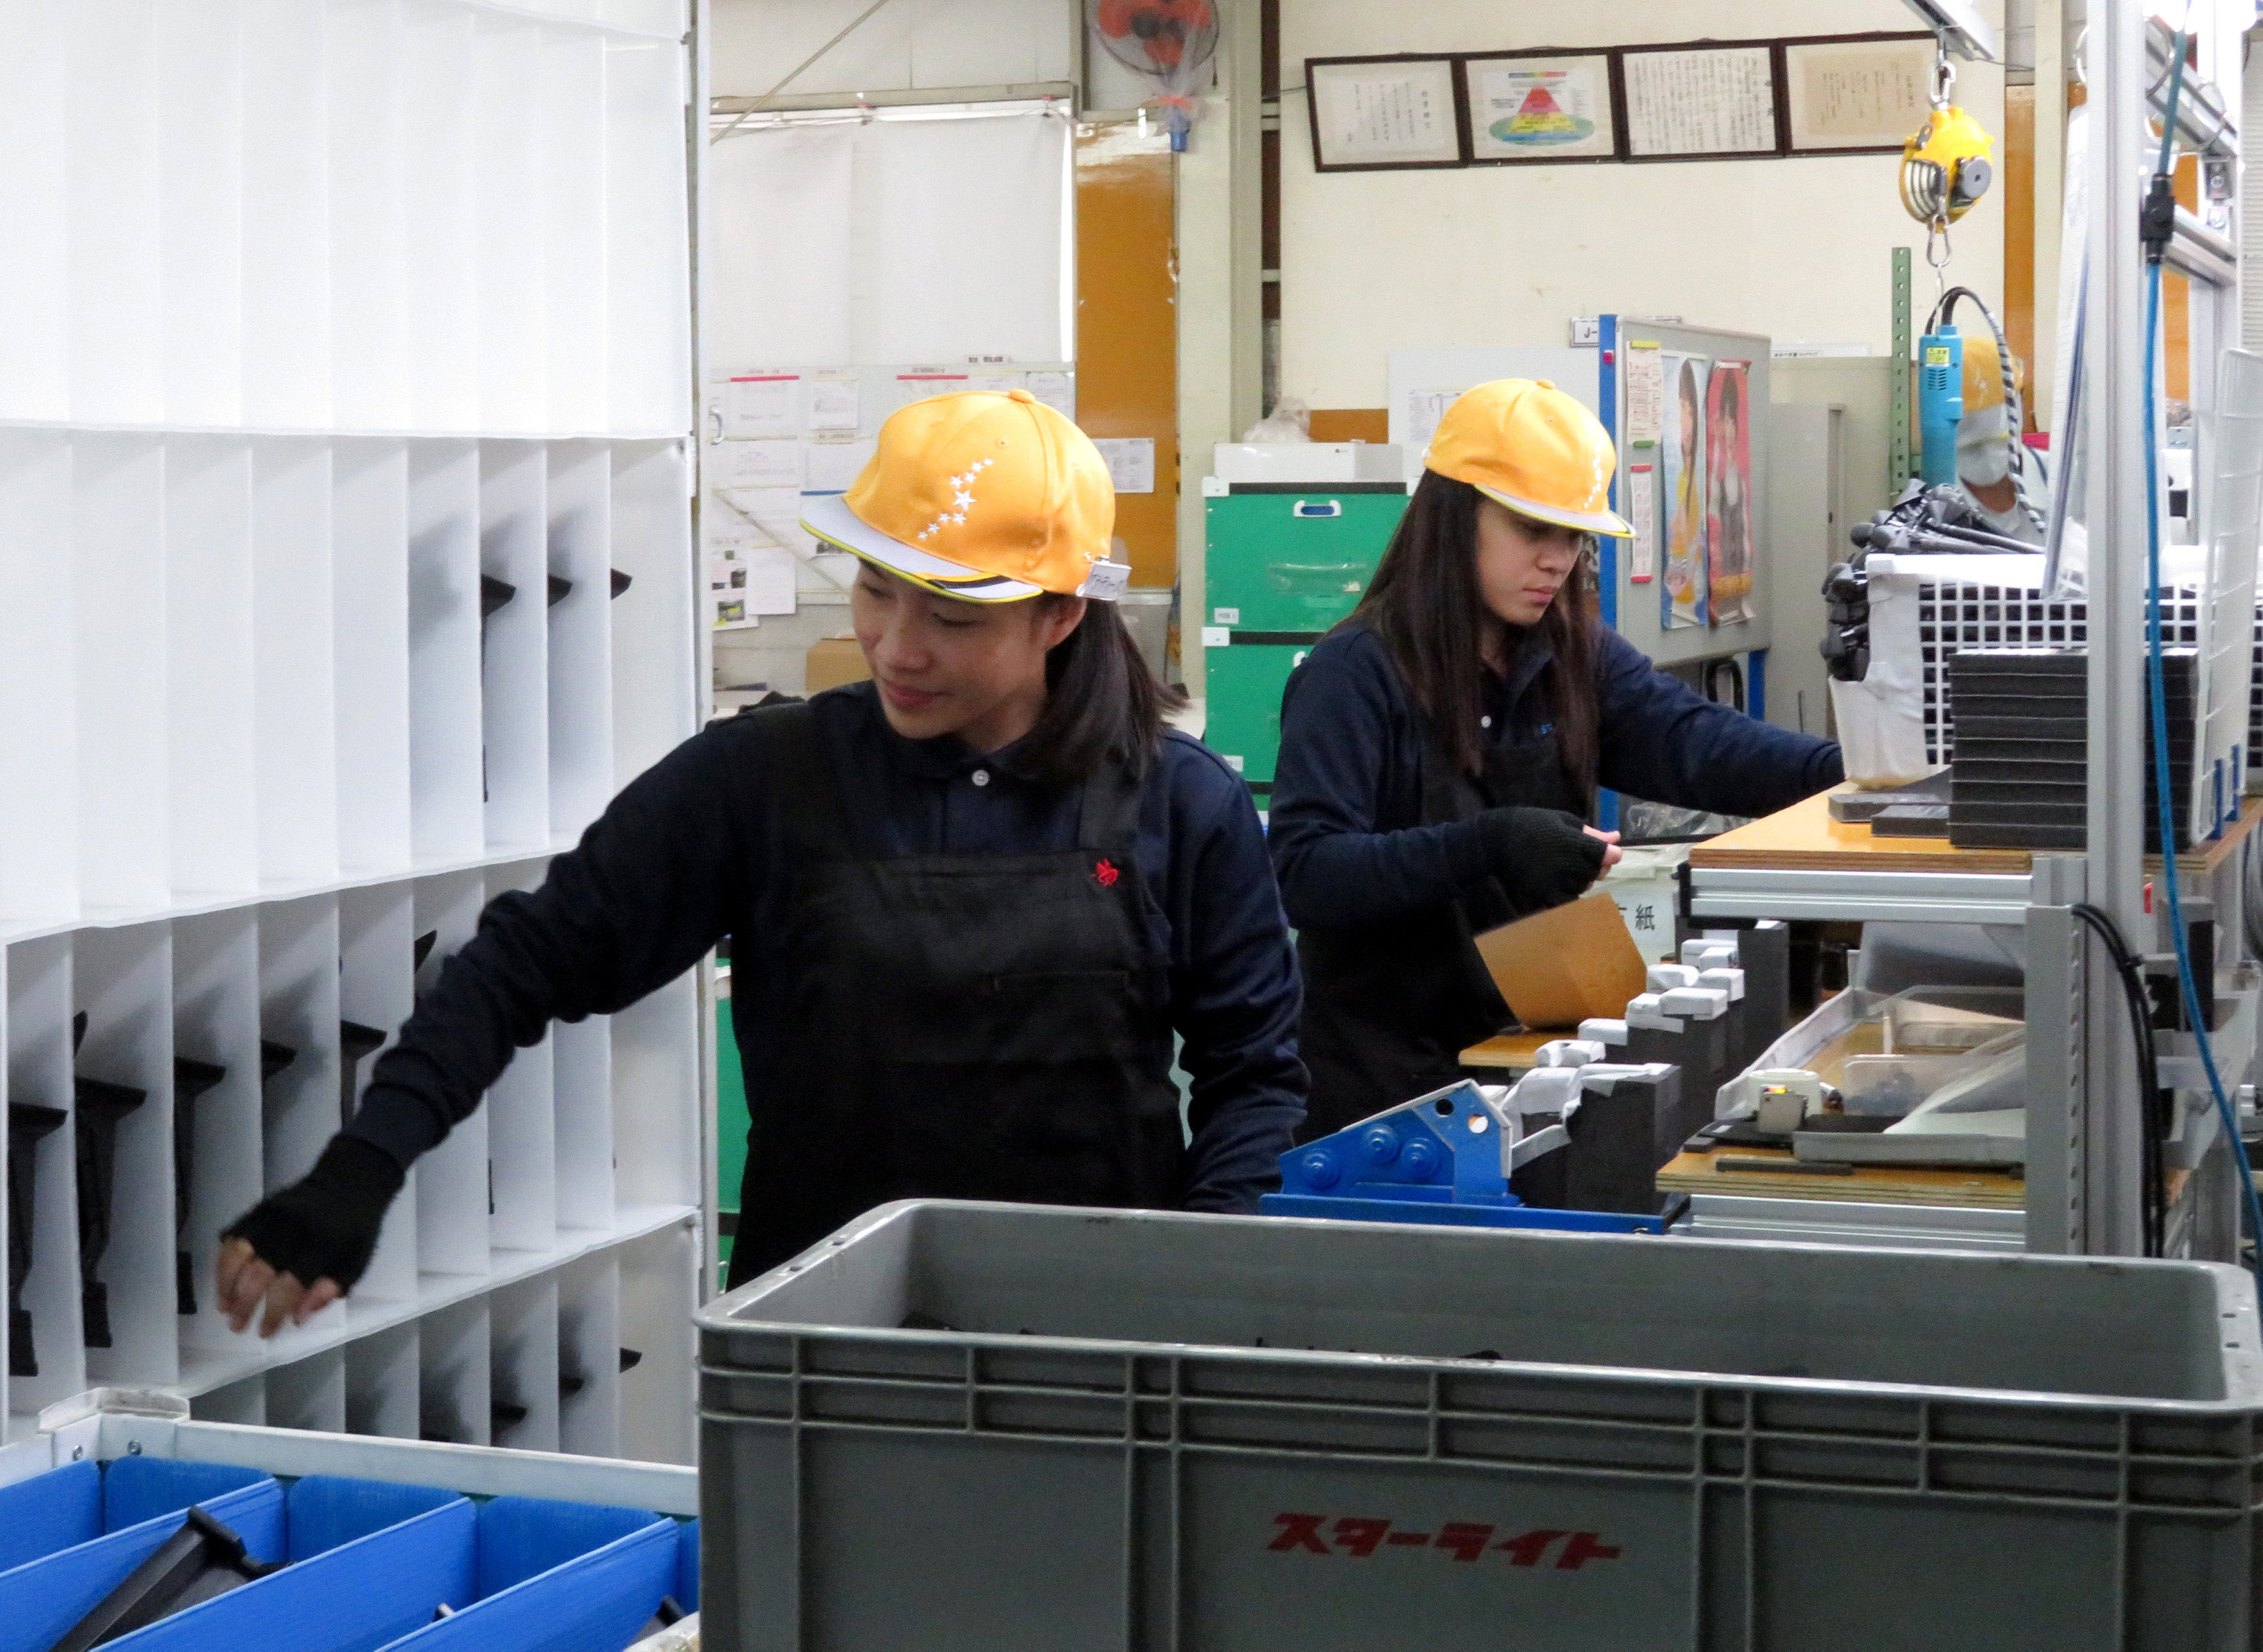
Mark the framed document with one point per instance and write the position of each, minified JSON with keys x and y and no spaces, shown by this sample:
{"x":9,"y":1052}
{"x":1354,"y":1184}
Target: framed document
{"x":1700,"y":102}
{"x":1379,"y":113}
{"x":1531,"y":106}
{"x":1857,"y":94}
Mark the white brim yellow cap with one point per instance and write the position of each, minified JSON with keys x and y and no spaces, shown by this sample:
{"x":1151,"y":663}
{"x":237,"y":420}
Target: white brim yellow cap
{"x":828,"y":517}
{"x":1604,"y":522}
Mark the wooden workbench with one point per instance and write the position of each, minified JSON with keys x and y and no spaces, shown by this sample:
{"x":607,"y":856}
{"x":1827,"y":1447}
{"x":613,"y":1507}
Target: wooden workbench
{"x":1805,"y":838}
{"x":1870,"y":1184}
{"x":1510,"y":1054}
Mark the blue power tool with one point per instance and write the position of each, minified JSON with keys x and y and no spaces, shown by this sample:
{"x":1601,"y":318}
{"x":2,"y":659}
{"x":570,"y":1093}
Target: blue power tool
{"x":1577,"y":1126}
{"x":1939,"y":402}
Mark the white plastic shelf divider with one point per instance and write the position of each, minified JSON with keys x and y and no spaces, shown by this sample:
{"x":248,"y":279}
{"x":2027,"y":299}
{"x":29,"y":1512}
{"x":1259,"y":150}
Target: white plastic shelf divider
{"x":311,"y":311}
{"x":38,"y":682}
{"x":122,"y":982}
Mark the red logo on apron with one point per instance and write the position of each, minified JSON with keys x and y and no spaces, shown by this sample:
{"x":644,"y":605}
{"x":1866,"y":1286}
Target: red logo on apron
{"x":1107,"y":873}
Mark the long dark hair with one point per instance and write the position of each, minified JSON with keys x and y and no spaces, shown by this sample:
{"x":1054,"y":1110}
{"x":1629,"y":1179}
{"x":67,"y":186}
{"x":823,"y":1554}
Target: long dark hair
{"x":1103,"y":700}
{"x":1424,"y":602}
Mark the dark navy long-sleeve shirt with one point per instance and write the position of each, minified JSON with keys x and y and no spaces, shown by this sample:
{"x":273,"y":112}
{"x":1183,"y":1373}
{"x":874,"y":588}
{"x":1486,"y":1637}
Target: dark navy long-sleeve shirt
{"x":691,"y":851}
{"x":1345,"y":830}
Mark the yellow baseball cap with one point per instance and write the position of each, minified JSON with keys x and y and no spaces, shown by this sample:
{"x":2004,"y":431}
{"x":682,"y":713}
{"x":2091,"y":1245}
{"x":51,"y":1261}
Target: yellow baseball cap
{"x":1983,"y":374}
{"x":1527,"y":444}
{"x":981,"y":495}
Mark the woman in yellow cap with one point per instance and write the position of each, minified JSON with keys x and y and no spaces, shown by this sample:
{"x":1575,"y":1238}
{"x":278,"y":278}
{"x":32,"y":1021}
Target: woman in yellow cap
{"x":970,"y":901}
{"x":1441,"y":750}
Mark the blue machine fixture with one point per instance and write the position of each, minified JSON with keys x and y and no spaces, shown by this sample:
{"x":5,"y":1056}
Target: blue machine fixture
{"x":1578,"y":1125}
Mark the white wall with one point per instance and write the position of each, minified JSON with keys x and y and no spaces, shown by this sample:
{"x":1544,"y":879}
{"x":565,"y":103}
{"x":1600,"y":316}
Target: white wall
{"x":1794,"y":248}
{"x":908,"y":45}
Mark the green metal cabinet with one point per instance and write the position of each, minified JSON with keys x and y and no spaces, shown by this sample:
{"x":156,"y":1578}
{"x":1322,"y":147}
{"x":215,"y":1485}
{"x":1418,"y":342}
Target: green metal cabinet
{"x":1242,"y":722}
{"x":1283,"y":565}
{"x":1283,"y":558}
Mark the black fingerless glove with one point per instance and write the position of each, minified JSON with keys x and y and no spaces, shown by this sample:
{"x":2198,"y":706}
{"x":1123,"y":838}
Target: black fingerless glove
{"x":325,"y":1225}
{"x":1543,"y":857}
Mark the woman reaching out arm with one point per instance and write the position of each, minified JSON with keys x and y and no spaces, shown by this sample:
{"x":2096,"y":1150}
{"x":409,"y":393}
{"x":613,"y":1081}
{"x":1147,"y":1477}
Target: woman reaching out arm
{"x":970,"y":901}
{"x":1441,"y":750}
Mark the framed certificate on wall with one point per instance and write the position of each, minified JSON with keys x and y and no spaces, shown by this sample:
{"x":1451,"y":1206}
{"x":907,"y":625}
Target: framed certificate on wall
{"x":1862,"y":93}
{"x":1377,"y":114}
{"x":1700,"y":101}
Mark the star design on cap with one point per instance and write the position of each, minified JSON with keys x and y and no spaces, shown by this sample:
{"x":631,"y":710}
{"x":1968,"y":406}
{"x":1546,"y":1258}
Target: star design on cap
{"x":962,"y":496}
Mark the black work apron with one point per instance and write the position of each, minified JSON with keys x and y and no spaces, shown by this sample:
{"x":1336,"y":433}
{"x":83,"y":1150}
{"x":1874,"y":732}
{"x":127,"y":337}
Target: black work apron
{"x":955,"y":1027}
{"x":1390,"y":1007}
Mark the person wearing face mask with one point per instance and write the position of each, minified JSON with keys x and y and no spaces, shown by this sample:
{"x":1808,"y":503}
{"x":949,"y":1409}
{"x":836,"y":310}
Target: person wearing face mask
{"x":971,"y":901}
{"x":1984,"y":448}
{"x":1441,"y":749}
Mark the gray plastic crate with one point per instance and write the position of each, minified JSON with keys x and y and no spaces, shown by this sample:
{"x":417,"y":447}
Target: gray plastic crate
{"x":1232,"y":1434}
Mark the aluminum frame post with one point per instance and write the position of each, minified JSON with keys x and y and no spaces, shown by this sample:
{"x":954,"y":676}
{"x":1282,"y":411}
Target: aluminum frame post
{"x":2116,"y":438}
{"x":2057,"y":1116}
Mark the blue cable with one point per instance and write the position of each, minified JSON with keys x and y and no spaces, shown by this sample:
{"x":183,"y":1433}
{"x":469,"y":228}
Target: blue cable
{"x":2157,"y":693}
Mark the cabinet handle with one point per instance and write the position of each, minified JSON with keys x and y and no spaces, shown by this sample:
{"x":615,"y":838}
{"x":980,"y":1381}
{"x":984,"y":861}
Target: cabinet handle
{"x":1317,"y":508}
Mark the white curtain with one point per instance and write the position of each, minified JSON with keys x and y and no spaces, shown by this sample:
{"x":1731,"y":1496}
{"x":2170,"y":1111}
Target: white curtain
{"x":853,"y":243}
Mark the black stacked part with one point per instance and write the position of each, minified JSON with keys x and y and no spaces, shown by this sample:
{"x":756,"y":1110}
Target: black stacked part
{"x":28,"y":1125}
{"x":98,"y":1109}
{"x":2020,"y":776}
{"x":356,"y":1043}
{"x":200,"y":1562}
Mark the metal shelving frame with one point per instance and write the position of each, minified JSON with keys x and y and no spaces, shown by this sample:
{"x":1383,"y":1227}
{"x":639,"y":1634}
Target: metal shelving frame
{"x":2084,"y":1189}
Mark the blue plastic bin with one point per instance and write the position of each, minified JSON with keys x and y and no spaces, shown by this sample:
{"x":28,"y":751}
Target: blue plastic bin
{"x":372,"y":1562}
{"x":42,"y":1598}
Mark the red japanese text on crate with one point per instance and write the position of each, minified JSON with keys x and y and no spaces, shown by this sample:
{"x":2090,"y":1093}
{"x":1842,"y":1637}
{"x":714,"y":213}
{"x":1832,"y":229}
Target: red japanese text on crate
{"x":1465,"y":1540}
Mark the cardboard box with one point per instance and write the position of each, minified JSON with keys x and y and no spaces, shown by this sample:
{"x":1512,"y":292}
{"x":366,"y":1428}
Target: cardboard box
{"x":1557,"y":968}
{"x":834,"y":660}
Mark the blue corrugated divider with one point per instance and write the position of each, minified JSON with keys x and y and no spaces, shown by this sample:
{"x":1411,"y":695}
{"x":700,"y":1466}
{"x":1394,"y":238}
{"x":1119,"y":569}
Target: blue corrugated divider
{"x":327,"y":1510}
{"x":42,"y":1600}
{"x":523,"y":1537}
{"x":354,"y":1598}
{"x":48,"y":1512}
{"x":138,"y":1489}
{"x":592,"y":1603}
{"x":372,"y":1561}
{"x":687,"y":1565}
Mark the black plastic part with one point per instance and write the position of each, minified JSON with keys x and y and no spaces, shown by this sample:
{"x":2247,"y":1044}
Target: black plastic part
{"x":493,"y":594}
{"x":560,"y":589}
{"x":632,"y":1358}
{"x":621,"y":582}
{"x":505,"y":1415}
{"x":28,"y":1125}
{"x":1846,"y":1124}
{"x":190,"y":1080}
{"x":2157,"y":218}
{"x":423,"y":949}
{"x":1764,"y":954}
{"x":355,"y":1042}
{"x":200,"y":1562}
{"x":98,"y":1107}
{"x":1611,"y":1164}
{"x":1703,"y":1050}
{"x":78,"y":1030}
{"x":570,"y":1385}
{"x":273,"y":1058}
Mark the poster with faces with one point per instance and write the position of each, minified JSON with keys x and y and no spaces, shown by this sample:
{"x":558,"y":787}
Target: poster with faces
{"x":1728,"y":495}
{"x":1681,"y":593}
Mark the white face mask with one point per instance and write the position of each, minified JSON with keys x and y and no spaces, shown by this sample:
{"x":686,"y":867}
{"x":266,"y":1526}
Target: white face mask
{"x":1983,"y":457}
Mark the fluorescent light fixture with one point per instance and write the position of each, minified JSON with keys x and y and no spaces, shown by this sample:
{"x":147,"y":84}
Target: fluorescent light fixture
{"x":1961,"y":27}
